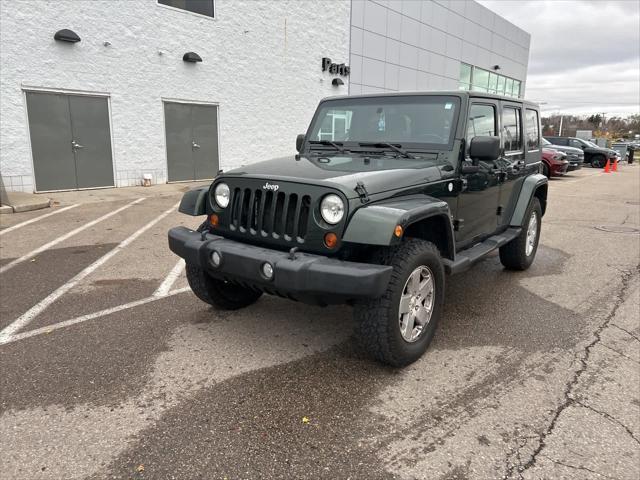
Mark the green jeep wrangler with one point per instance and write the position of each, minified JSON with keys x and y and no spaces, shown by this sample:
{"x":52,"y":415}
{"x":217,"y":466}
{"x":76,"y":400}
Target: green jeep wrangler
{"x":387,"y":194}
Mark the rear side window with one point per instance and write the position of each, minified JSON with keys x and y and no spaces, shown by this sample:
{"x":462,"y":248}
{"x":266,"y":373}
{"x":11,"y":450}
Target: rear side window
{"x":481,"y":122}
{"x":512,"y":129}
{"x":533,"y":130}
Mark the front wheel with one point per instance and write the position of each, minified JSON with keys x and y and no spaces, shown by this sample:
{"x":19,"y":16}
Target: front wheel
{"x":397,"y":327}
{"x":546,"y":171}
{"x":519,"y":253}
{"x":598,"y":161}
{"x":221,"y":294}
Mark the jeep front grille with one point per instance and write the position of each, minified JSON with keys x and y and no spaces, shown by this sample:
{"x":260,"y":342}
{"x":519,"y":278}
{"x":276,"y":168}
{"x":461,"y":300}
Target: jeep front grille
{"x":264,"y":213}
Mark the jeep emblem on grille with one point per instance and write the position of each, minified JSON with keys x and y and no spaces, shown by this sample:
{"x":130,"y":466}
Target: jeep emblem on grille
{"x":269,"y":186}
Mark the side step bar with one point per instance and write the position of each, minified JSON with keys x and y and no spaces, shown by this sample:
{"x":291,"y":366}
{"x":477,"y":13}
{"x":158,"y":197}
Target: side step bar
{"x":466,"y":258}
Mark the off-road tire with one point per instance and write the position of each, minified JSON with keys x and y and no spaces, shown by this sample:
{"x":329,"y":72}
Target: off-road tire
{"x":220,"y":294}
{"x":598,"y":161}
{"x":378,"y":328}
{"x":513,"y":255}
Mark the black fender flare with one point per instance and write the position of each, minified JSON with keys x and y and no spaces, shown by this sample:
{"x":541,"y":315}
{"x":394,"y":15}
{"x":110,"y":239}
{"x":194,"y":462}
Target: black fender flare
{"x":194,"y":202}
{"x":529,"y":188}
{"x":374,"y":224}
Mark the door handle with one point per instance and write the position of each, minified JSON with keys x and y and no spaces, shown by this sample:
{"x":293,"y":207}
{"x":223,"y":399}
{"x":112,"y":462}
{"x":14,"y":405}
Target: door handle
{"x":76,"y":145}
{"x":194,"y":145}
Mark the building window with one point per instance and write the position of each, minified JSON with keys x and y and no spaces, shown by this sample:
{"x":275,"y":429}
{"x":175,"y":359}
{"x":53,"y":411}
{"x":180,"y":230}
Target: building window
{"x":480,"y":80}
{"x":465,"y":76}
{"x":201,"y":7}
{"x":533,"y":130}
{"x":512,"y":129}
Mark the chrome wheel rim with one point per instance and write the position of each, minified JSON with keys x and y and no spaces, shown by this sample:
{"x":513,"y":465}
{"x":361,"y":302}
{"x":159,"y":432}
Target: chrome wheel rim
{"x":416,"y":303}
{"x":532,"y":233}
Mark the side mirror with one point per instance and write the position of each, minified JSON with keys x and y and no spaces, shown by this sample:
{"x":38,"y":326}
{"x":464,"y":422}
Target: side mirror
{"x":484,"y":148}
{"x":299,"y":142}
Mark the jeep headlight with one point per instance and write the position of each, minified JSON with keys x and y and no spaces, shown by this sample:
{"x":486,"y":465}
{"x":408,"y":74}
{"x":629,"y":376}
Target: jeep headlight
{"x":222,"y":195}
{"x":332,"y":209}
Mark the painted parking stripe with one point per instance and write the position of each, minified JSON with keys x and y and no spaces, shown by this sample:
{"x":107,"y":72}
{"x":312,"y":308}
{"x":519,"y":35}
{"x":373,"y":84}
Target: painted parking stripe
{"x":37,"y":219}
{"x":39,"y":307}
{"x":90,"y":316}
{"x":67,"y":235}
{"x":170,"y":279}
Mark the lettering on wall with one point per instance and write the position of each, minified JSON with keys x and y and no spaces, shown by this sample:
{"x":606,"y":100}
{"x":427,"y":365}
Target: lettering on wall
{"x":335,"y":68}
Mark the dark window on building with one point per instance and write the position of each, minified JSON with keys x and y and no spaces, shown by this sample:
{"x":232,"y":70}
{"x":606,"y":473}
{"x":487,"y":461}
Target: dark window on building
{"x":482,"y":122}
{"x":533,"y":130}
{"x":512,"y":129}
{"x":201,"y":7}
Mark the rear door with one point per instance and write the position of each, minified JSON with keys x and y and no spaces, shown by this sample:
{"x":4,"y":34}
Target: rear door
{"x":512,"y":162}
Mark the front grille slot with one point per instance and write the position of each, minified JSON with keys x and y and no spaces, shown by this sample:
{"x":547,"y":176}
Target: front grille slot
{"x":270,"y":214}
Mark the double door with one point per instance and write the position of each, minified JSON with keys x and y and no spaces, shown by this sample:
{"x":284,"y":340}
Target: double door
{"x":70,"y":141}
{"x":192,"y":141}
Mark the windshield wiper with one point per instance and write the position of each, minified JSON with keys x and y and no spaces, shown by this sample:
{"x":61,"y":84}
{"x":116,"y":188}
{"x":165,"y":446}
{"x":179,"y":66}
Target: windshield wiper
{"x":399,"y":150}
{"x":336,"y":145}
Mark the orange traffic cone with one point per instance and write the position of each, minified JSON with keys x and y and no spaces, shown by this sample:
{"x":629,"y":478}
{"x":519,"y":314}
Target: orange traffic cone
{"x":614,"y":167}
{"x":607,"y":167}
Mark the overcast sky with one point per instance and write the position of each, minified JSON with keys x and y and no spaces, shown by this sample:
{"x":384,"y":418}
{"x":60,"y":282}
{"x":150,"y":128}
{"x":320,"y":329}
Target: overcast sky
{"x":585,"y":55}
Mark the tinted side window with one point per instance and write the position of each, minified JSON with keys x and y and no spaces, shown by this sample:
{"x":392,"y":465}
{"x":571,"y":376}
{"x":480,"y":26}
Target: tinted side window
{"x":562,"y":141}
{"x":482,"y":121}
{"x":512,"y":129}
{"x":575,"y":143}
{"x":533,"y":130}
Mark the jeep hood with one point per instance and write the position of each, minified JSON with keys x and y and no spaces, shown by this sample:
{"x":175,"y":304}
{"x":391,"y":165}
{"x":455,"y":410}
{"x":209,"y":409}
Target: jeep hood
{"x":378,"y":173}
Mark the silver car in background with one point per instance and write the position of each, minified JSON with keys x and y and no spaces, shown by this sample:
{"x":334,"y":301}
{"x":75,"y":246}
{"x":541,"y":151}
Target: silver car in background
{"x":575,"y":156}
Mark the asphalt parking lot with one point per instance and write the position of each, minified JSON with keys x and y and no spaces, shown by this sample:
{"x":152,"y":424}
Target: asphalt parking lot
{"x":111,"y":368}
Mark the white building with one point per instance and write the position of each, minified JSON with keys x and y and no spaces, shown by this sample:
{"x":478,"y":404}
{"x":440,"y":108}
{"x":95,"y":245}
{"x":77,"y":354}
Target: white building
{"x":125,"y":101}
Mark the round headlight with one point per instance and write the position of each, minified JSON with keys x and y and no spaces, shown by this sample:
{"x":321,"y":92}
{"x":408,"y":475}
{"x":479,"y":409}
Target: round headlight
{"x":222,"y":195}
{"x":332,"y":209}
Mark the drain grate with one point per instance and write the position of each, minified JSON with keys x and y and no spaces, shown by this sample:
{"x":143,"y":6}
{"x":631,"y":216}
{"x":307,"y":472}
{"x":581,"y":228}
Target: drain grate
{"x":617,"y":229}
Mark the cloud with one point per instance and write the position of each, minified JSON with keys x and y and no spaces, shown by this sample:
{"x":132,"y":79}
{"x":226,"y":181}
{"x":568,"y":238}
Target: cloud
{"x":585,"y":55}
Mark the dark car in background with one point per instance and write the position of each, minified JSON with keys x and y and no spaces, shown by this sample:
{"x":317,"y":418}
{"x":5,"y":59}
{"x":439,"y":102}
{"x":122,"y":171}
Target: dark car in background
{"x":593,"y":154}
{"x":554,"y":163}
{"x":575,"y":156}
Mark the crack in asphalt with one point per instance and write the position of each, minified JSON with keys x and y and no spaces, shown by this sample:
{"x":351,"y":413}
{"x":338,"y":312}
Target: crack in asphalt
{"x":626,"y":331}
{"x":578,"y":467}
{"x":620,"y":297}
{"x":609,"y":417}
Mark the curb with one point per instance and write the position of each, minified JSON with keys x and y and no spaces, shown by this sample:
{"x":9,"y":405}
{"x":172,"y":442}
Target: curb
{"x":25,"y":207}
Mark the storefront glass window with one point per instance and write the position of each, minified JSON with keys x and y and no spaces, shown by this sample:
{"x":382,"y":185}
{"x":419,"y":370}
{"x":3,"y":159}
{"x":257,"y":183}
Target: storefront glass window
{"x":465,"y":76}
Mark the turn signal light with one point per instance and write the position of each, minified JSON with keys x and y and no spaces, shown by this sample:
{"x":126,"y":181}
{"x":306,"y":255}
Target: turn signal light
{"x":398,"y":231}
{"x":330,"y":240}
{"x":214,"y":220}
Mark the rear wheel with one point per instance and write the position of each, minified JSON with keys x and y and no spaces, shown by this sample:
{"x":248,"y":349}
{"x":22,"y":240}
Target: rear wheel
{"x":519,"y":253}
{"x":221,"y":294}
{"x":398,"y":327}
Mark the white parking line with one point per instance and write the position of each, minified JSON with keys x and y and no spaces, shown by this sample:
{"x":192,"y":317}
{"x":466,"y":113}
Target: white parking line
{"x":34,"y":311}
{"x":84,"y":318}
{"x":64,"y":237}
{"x":37,"y":219}
{"x":170,"y":279}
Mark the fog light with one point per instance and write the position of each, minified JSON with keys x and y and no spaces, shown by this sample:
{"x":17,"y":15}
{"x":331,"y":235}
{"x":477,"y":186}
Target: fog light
{"x":216,"y":259}
{"x":267,"y":270}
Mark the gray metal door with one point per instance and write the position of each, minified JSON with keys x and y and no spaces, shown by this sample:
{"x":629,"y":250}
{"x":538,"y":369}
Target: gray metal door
{"x":92,"y":137}
{"x":70,"y":141}
{"x":192,"y":141}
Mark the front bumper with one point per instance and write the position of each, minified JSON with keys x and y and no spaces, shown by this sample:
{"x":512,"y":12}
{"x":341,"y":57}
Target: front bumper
{"x":575,"y":163}
{"x":308,"y":278}
{"x":559,"y":168}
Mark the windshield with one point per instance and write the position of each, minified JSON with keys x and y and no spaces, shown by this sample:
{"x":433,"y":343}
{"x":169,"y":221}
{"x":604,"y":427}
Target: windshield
{"x":426,"y":122}
{"x":546,"y":142}
{"x":591,"y":144}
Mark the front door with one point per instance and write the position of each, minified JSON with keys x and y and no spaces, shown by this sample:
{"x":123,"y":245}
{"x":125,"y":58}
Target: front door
{"x":192,"y":141}
{"x":478,"y":200}
{"x":70,"y":141}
